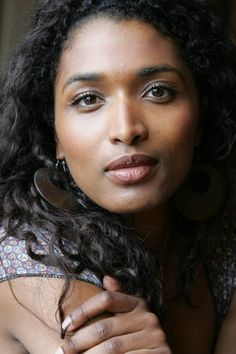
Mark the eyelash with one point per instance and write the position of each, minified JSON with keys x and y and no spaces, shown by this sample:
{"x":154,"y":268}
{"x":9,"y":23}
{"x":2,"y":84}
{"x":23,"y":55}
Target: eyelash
{"x":172,"y":92}
{"x":83,"y":95}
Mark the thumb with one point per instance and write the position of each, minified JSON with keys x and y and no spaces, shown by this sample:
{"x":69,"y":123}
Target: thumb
{"x":111,"y":284}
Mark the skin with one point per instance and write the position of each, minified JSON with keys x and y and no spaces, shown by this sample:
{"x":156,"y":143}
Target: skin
{"x":127,"y":118}
{"x":123,"y":114}
{"x":35,"y":329}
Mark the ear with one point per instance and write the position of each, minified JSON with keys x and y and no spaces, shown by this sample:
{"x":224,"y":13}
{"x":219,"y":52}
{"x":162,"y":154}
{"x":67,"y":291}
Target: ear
{"x":59,"y":151}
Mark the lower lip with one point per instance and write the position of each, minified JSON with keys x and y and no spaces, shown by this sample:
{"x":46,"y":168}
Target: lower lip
{"x":131,"y":175}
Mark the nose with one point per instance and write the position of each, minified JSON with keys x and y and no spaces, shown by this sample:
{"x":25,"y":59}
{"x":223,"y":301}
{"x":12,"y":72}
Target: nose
{"x":126,"y":123}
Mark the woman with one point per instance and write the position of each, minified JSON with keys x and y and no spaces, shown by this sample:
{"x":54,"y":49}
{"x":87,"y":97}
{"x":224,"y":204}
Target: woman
{"x":113,"y":117}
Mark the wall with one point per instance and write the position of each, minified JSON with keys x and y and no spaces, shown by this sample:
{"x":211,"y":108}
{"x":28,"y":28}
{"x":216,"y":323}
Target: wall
{"x":13,"y":23}
{"x":14,"y":14}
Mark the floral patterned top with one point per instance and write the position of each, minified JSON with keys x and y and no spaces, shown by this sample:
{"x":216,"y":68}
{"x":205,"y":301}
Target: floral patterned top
{"x":16,"y":263}
{"x":220,"y":264}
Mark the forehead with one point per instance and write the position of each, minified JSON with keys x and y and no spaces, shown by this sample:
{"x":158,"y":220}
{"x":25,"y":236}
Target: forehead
{"x":103,"y":44}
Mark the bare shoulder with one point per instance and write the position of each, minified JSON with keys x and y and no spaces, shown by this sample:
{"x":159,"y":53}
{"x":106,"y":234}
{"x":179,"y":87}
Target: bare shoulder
{"x":226,"y":342}
{"x":29,"y":322}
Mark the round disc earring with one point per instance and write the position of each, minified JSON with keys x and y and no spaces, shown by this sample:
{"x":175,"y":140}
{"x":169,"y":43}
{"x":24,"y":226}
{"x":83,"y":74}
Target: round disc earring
{"x":203,"y":193}
{"x":54,"y":195}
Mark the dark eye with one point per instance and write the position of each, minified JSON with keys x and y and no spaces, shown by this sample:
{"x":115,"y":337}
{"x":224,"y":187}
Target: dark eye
{"x":87,"y":100}
{"x":161,"y":93}
{"x":158,"y":92}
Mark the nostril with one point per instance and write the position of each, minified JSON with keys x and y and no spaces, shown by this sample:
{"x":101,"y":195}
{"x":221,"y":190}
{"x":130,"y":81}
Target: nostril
{"x":140,"y":136}
{"x":128,"y":132}
{"x":137,"y":138}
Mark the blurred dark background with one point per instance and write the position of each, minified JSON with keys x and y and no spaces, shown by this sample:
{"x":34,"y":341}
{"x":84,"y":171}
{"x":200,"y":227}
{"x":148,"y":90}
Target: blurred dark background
{"x":14,"y":15}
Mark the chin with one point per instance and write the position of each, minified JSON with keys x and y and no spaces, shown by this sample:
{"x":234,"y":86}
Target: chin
{"x":135,"y":205}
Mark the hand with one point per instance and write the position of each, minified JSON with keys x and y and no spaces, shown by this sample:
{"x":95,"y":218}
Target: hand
{"x":132,"y":329}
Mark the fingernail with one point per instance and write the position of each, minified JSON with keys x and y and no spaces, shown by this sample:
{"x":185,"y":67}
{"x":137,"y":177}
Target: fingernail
{"x":59,"y":351}
{"x":66,"y":323}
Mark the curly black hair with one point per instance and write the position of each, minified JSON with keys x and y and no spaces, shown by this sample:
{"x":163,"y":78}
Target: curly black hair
{"x":101,"y":240}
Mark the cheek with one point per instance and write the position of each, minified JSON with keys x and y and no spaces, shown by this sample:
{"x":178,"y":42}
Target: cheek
{"x":177,"y":144}
{"x":80,"y":149}
{"x":183,"y":137}
{"x":180,"y":129}
{"x":77,"y":143}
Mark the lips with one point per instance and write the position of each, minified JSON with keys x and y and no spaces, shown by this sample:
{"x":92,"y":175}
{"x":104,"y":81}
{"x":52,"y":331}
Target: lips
{"x":131,"y":169}
{"x":127,"y":161}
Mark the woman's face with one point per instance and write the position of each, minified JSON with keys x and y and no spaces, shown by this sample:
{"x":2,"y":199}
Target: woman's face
{"x":126,"y":114}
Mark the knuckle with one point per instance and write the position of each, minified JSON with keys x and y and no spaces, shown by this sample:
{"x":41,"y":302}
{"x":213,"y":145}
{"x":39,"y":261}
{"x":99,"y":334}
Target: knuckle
{"x":81,"y":312}
{"x":113,"y":346}
{"x":103,"y":329}
{"x":166,"y":350}
{"x":157,"y":339}
{"x":151,"y":320}
{"x":106,"y":297}
{"x":160,"y":336}
{"x":70,"y":346}
{"x":133,"y":301}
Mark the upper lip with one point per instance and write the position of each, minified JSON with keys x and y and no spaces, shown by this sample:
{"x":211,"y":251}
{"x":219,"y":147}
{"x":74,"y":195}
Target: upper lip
{"x":126,"y":161}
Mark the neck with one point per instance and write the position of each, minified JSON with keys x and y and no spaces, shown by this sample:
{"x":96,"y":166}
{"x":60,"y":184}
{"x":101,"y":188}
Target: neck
{"x":155,"y":226}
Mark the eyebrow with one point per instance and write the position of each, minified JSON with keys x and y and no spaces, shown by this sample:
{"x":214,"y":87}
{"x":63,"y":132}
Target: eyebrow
{"x":151,"y":70}
{"x":83,"y":77}
{"x":143,"y":72}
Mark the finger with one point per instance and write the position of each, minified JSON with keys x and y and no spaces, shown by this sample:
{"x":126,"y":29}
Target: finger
{"x":106,"y":301}
{"x":128,"y":343}
{"x":91,"y":335}
{"x":111,"y":284}
{"x":163,"y":350}
{"x":127,"y":323}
